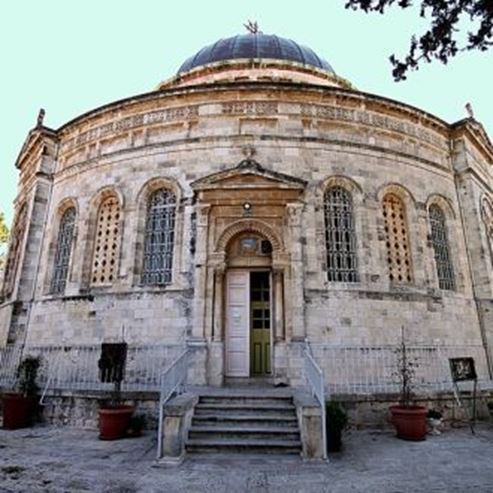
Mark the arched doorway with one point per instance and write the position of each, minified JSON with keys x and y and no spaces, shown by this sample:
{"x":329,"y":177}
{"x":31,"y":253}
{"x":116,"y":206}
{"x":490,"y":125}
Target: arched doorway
{"x":248,"y":306}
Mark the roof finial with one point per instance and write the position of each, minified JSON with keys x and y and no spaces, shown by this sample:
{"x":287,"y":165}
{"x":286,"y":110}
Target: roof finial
{"x":41,"y":116}
{"x":469,"y":110}
{"x":252,"y":27}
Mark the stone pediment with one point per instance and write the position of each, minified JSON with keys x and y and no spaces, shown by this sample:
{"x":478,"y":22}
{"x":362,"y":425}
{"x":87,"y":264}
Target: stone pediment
{"x":36,"y":138}
{"x":248,"y":174}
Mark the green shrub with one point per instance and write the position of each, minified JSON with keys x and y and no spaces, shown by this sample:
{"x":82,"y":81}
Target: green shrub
{"x":27,"y":374}
{"x":335,"y":415}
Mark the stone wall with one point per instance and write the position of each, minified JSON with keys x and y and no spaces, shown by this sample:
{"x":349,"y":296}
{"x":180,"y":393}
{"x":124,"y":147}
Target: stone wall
{"x":368,"y":144}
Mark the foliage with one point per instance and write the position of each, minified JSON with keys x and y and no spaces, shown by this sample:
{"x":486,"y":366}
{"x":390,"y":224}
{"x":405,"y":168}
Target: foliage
{"x":405,"y":373}
{"x":335,"y":415}
{"x":434,"y":414}
{"x":27,"y":374}
{"x":440,"y":40}
{"x":4,"y":237}
{"x":111,"y":367}
{"x":137,"y":423}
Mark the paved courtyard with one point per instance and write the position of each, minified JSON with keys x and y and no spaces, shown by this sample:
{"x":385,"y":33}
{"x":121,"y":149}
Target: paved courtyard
{"x":49,"y":459}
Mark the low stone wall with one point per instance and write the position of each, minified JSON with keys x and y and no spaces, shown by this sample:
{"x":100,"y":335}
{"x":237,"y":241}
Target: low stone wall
{"x":373,"y":411}
{"x":80,"y":409}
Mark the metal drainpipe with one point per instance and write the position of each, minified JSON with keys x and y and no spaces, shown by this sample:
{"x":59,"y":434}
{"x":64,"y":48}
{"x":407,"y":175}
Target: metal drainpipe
{"x":469,"y":268}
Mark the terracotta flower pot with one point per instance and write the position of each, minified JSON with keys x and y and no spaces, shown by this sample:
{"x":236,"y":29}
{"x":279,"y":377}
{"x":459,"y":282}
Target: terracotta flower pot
{"x":409,"y":422}
{"x":18,"y":411}
{"x":114,"y":421}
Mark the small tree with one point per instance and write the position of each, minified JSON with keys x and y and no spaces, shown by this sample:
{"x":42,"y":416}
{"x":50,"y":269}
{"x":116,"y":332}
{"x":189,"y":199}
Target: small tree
{"x":405,"y":373}
{"x":27,"y":374}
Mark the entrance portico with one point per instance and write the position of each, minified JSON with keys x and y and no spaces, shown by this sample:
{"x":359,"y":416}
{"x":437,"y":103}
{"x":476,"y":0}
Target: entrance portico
{"x":248,"y":268}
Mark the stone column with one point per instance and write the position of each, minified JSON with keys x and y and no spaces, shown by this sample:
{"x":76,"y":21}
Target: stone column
{"x":200,"y":268}
{"x":218,"y":324}
{"x":279,"y":333}
{"x":296,"y":294}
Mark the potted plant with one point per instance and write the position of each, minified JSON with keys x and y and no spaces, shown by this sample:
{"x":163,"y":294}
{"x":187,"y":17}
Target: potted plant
{"x":435,"y":420}
{"x":336,"y":422}
{"x":408,"y":418}
{"x":114,"y":416}
{"x":19,"y":408}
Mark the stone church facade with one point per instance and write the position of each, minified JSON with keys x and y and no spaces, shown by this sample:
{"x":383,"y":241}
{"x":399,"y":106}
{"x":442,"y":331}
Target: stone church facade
{"x":252,"y":203}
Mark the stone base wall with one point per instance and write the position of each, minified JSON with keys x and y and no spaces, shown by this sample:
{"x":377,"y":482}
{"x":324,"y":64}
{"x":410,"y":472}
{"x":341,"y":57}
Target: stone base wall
{"x":80,"y":409}
{"x":373,"y":412}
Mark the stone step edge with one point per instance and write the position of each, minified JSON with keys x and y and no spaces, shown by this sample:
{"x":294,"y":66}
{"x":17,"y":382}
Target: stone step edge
{"x":246,"y":396}
{"x":243,"y":417}
{"x":275,"y":407}
{"x":238,"y":442}
{"x":230,"y":429}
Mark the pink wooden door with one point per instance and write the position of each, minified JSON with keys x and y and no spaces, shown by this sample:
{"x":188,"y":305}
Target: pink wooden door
{"x":237,"y":323}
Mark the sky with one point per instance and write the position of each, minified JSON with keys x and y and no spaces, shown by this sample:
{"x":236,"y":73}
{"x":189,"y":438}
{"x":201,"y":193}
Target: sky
{"x":70,"y":56}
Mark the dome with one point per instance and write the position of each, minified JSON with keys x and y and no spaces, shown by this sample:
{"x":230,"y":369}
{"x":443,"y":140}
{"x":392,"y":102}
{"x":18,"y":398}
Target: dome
{"x":255,"y":45}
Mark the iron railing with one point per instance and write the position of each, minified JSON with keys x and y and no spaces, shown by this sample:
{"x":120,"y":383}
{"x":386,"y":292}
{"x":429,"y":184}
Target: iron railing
{"x":173,"y":380}
{"x":75,"y":367}
{"x":370,"y":370}
{"x":315,"y":377}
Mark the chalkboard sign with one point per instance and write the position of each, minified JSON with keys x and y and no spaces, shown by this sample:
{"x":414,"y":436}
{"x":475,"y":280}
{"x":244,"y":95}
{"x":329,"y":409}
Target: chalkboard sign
{"x":462,"y":369}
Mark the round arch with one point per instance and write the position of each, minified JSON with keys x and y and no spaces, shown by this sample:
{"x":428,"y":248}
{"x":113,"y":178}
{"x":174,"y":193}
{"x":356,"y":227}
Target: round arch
{"x":244,"y":226}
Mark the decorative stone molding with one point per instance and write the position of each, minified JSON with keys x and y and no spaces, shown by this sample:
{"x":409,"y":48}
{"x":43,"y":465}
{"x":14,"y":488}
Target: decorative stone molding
{"x":244,"y":225}
{"x":443,"y":202}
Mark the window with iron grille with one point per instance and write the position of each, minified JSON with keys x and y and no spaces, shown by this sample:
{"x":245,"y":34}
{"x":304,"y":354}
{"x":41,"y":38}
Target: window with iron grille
{"x":63,"y":251}
{"x":340,"y":236}
{"x":439,"y":240}
{"x":107,"y":242}
{"x":159,"y":238}
{"x":397,"y":239}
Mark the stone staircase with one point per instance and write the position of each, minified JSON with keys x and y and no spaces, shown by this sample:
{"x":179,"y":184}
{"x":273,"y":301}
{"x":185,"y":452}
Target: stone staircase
{"x":251,"y":422}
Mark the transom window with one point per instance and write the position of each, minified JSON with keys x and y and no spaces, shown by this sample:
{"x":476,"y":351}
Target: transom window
{"x":340,"y":236}
{"x":397,"y":239}
{"x":107,"y":242}
{"x":159,"y":238}
{"x":63,"y":251}
{"x":439,"y":240}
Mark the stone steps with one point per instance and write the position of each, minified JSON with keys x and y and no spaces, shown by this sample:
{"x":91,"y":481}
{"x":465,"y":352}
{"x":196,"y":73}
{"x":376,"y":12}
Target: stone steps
{"x":257,"y":432}
{"x":244,"y":423}
{"x":250,"y":446}
{"x":228,"y":409}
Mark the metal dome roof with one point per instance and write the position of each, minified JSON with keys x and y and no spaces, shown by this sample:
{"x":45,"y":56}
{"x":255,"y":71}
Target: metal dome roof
{"x":255,"y":45}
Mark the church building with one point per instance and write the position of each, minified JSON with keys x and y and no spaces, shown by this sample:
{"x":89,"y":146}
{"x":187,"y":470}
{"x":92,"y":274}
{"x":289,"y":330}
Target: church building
{"x":251,"y":206}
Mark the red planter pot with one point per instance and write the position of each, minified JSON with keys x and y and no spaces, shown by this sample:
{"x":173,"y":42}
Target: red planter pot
{"x":409,"y":422}
{"x":114,"y":422}
{"x":18,"y":411}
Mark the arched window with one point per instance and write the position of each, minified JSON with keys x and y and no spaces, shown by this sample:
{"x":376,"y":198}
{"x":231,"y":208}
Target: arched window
{"x":439,"y":240}
{"x":397,"y":239}
{"x":107,"y":242}
{"x":340,"y":236}
{"x":63,"y":251}
{"x":159,"y":238}
{"x":16,"y":237}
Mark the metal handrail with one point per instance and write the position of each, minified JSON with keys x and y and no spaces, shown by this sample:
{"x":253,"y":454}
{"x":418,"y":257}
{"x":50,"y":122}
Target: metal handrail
{"x":315,"y":378}
{"x":172,"y":380}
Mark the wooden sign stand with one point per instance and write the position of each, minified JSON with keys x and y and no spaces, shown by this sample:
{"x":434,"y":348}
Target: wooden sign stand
{"x":463,"y":370}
